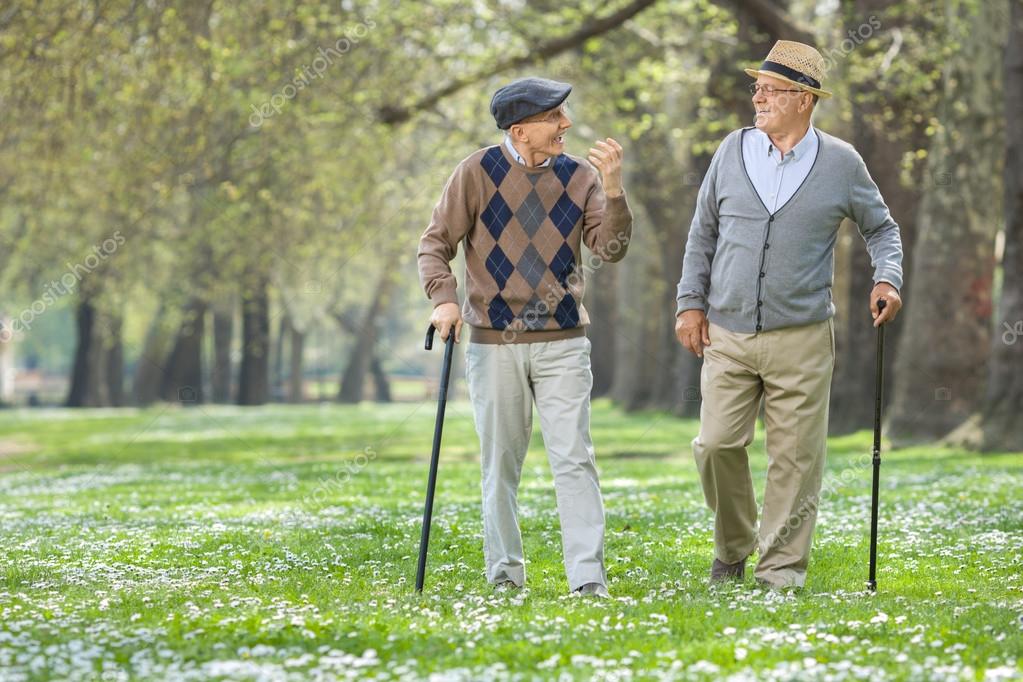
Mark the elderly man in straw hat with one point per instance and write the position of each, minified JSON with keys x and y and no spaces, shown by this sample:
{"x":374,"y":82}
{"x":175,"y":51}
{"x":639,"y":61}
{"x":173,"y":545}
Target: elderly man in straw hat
{"x":755,"y":302}
{"x":522,"y":209}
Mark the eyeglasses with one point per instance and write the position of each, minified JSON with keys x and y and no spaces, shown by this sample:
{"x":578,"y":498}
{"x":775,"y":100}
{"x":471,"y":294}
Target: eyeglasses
{"x":552,"y":117}
{"x":769,"y":90}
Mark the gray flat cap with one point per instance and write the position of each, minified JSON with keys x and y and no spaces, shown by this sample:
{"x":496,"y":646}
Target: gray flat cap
{"x":526,"y":97}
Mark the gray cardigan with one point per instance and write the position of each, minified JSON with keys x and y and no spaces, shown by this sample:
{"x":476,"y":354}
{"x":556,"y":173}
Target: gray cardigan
{"x":753,"y":271}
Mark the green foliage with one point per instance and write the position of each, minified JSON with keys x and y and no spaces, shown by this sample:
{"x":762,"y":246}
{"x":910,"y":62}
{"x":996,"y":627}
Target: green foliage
{"x":227,"y":142}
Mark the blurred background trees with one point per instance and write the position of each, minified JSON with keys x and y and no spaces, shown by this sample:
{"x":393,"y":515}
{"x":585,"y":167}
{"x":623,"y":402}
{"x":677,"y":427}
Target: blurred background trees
{"x":211,"y":202}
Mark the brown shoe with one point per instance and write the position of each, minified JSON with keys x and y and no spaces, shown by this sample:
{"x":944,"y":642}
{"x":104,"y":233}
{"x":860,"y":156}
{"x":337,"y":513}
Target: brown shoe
{"x":720,"y":571}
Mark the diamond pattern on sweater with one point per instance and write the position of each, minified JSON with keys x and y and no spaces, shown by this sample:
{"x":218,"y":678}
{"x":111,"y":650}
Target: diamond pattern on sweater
{"x":531,"y":213}
{"x":495,"y":165}
{"x":496,"y":215}
{"x":538,"y":202}
{"x":565,"y":168}
{"x":567,"y":313}
{"x":565,"y":215}
{"x":535,"y":314}
{"x":499,"y":267}
{"x":500,"y":313}
{"x":563,"y":264}
{"x":531,"y":266}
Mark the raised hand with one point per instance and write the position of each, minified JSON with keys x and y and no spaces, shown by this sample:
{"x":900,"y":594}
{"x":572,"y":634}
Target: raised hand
{"x":607,"y":157}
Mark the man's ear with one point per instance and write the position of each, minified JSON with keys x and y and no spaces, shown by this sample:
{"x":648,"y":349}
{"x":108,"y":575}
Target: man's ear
{"x":518,"y":133}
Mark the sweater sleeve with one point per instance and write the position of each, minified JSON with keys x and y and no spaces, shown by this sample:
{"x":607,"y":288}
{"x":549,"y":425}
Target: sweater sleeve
{"x":607,"y":224}
{"x":453,"y":216}
{"x":878,"y":229}
{"x":694,"y":286}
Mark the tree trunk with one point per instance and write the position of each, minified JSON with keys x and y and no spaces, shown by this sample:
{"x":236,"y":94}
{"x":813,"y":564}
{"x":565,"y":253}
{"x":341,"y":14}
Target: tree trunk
{"x":89,"y":386}
{"x":600,"y":302}
{"x":645,"y":345}
{"x":253,"y":373}
{"x":84,"y":314}
{"x":361,"y":355}
{"x":6,"y":358}
{"x":182,"y":377}
{"x":223,"y":328}
{"x":277,"y":391}
{"x":636,"y":334}
{"x":149,"y":369}
{"x":381,"y":384}
{"x":1001,"y":425}
{"x":295,"y":369}
{"x":944,"y":350}
{"x":114,"y":361}
{"x":882,"y":146}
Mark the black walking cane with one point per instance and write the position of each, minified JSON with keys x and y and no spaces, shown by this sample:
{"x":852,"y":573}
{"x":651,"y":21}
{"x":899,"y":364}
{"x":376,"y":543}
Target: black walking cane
{"x":878,"y":383}
{"x":431,"y":484}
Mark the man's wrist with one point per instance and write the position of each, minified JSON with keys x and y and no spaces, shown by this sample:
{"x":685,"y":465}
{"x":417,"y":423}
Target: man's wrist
{"x":882,"y":281}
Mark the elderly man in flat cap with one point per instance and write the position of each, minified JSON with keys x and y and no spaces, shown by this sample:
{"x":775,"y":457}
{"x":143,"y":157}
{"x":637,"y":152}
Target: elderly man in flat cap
{"x":755,"y":302}
{"x":522,"y":210}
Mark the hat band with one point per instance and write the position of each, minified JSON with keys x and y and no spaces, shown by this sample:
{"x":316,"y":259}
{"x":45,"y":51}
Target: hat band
{"x":790,"y":73}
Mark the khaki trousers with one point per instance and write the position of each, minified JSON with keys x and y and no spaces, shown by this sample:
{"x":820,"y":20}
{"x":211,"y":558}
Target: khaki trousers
{"x":504,"y":381}
{"x":791,"y":370}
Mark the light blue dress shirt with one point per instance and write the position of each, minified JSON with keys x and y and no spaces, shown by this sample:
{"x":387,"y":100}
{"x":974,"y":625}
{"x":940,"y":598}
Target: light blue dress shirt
{"x":515,"y":153}
{"x":776,"y":179}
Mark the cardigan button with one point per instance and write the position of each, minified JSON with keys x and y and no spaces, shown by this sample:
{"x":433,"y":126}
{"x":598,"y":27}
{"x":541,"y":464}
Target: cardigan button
{"x":763,"y":274}
{"x":759,"y":327}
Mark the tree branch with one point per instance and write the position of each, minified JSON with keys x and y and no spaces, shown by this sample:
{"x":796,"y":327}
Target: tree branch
{"x":394,"y":114}
{"x":775,"y":21}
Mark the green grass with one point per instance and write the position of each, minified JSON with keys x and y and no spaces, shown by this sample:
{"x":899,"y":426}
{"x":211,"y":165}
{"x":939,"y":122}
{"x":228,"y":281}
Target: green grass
{"x":280,"y":543}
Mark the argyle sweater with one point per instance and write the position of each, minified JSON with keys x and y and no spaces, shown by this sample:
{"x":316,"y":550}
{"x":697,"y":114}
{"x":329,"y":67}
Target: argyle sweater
{"x":521,"y":229}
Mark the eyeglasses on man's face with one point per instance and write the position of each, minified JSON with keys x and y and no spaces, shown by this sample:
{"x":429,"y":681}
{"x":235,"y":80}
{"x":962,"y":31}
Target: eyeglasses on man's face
{"x":553,"y":116}
{"x":768,"y":90}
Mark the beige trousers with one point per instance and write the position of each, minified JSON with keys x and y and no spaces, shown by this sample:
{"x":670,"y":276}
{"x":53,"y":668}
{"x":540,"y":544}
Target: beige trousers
{"x":504,"y":381}
{"x":791,"y":370}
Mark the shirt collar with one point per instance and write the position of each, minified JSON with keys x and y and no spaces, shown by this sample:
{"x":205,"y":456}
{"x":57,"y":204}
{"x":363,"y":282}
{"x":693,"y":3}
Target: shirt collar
{"x":797,"y":152}
{"x":515,"y":153}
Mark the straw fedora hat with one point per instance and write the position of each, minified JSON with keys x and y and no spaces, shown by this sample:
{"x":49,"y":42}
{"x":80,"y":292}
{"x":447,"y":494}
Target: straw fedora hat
{"x":795,"y":63}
